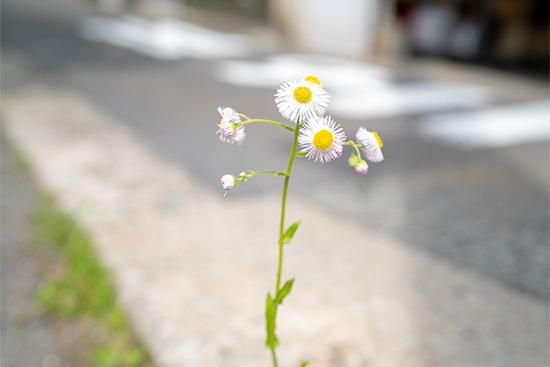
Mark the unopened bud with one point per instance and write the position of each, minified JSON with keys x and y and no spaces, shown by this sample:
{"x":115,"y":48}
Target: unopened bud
{"x":362,"y":167}
{"x":228,"y":182}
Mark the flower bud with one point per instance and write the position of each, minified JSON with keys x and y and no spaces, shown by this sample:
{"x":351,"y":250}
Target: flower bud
{"x":353,"y":160}
{"x":362,"y":167}
{"x":228,"y":182}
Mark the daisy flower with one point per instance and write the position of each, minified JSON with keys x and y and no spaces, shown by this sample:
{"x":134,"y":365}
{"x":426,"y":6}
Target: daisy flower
{"x":229,"y":115}
{"x":372,"y":144}
{"x":228,"y":129}
{"x":313,"y":79}
{"x":321,"y":139}
{"x":302,"y":100}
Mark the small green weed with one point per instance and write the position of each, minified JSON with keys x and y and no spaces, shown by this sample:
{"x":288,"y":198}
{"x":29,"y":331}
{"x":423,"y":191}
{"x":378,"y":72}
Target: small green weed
{"x":85,"y":290}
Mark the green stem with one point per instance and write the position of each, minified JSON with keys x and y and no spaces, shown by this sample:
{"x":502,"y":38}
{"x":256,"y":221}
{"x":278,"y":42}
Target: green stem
{"x":264,"y":121}
{"x":282,"y":228}
{"x":276,"y":173}
{"x":274,"y":357}
{"x":355,"y":146}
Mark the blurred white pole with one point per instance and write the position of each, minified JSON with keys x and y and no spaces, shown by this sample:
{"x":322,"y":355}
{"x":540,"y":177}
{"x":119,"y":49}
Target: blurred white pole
{"x":344,"y":27}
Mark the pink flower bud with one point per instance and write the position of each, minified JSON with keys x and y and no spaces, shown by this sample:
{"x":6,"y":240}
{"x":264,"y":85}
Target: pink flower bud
{"x":362,"y":168}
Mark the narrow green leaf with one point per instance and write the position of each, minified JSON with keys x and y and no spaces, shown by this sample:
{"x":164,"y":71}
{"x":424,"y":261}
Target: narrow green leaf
{"x":287,"y":236}
{"x":304,"y":364}
{"x":284,"y":291}
{"x":271,"y":339}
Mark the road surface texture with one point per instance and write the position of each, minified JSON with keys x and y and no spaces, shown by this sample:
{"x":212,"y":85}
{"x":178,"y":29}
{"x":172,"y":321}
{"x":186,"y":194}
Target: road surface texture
{"x":438,"y":258}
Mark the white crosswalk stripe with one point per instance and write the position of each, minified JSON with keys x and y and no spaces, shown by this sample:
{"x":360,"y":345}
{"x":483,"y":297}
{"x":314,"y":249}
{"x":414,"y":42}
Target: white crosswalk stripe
{"x":167,"y":39}
{"x":359,"y":90}
{"x":491,"y":128}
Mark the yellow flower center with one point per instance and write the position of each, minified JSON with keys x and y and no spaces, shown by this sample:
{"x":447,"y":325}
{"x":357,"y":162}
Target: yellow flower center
{"x":322,"y":140}
{"x":378,"y":139}
{"x":312,"y":79}
{"x":303,"y":94}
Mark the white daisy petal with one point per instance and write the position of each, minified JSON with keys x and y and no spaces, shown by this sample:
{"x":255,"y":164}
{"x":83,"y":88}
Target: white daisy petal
{"x":372,"y":144}
{"x":229,"y":115}
{"x":230,"y":133}
{"x":239,"y":136}
{"x":321,"y":139}
{"x":301,"y":100}
{"x":228,"y":130}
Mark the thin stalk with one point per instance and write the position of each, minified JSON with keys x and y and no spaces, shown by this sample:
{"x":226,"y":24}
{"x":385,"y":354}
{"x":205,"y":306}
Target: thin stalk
{"x":282,"y":228}
{"x":276,"y":173}
{"x":355,"y":146}
{"x":274,"y":357}
{"x":264,"y":121}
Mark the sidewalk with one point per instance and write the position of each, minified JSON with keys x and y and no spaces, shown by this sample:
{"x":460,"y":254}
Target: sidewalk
{"x":193,"y":268}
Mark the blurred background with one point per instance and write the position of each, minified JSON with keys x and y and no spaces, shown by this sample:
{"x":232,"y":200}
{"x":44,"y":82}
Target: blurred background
{"x":458,"y":89}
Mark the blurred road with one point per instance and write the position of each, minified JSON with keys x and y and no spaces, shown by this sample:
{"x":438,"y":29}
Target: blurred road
{"x":481,"y":208}
{"x":485,"y":210}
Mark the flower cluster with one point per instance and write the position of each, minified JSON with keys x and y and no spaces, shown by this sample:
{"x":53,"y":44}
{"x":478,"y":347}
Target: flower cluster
{"x":320,"y":138}
{"x":316,"y":136}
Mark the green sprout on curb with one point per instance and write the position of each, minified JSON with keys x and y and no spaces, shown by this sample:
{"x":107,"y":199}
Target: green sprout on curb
{"x":316,"y":136}
{"x":84,"y":292}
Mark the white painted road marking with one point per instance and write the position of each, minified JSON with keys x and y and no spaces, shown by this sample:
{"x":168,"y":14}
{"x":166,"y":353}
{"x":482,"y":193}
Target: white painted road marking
{"x":408,"y":99}
{"x":491,"y":128}
{"x":167,"y":39}
{"x":358,"y":90}
{"x":335,"y":72}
